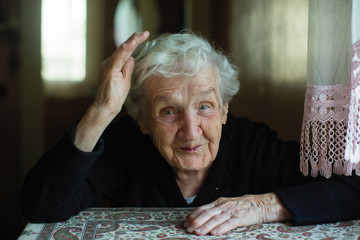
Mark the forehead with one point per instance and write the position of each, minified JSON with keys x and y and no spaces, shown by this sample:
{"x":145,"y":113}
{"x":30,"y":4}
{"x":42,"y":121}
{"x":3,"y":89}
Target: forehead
{"x":203,"y":83}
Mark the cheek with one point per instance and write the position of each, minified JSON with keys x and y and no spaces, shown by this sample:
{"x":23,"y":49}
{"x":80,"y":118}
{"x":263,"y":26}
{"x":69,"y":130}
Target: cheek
{"x":213,"y":134}
{"x":163,"y":134}
{"x":212,"y":128}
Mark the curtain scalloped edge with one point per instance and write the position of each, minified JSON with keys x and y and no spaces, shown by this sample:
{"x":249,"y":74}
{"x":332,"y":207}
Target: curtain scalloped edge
{"x":323,"y":132}
{"x":352,"y":149}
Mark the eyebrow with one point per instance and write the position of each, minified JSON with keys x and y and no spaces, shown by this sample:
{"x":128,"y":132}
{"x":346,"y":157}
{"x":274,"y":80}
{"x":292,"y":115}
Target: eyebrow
{"x":164,"y":98}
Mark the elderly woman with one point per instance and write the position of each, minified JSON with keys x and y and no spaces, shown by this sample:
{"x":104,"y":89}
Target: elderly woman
{"x":181,"y":148}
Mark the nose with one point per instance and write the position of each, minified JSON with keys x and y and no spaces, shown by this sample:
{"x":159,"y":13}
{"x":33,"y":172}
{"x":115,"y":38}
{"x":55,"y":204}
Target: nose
{"x":190,"y":126}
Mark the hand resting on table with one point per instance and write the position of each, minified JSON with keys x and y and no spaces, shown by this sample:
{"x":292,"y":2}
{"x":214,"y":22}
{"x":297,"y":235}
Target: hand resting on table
{"x":226,"y":214}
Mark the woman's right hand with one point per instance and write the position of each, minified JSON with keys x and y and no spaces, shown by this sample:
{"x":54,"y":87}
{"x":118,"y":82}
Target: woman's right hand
{"x":116,"y":76}
{"x":112,"y":92}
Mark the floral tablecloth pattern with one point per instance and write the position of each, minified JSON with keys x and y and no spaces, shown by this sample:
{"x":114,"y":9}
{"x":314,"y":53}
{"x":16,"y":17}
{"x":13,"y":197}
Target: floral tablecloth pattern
{"x":156,"y":223}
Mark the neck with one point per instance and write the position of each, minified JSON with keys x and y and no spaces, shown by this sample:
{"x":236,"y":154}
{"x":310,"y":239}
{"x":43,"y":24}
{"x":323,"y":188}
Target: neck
{"x":190,"y":182}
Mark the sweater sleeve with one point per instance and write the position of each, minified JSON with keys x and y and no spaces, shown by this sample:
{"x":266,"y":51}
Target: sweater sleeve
{"x":275,"y":167}
{"x":65,"y":181}
{"x":310,"y":200}
{"x":323,"y":200}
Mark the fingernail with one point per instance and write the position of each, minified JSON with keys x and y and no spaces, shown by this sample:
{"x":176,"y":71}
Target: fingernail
{"x":198,"y":231}
{"x":214,"y":232}
{"x":190,"y":230}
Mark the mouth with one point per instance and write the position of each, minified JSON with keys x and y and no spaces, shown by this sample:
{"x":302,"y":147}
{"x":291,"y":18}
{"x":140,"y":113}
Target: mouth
{"x":191,"y":149}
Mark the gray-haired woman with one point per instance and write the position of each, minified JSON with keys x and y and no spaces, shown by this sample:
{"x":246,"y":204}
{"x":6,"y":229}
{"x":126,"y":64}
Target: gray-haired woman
{"x":181,"y":148}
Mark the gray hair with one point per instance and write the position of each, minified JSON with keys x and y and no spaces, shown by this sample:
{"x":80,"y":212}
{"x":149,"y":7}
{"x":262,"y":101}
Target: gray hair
{"x":182,"y":54}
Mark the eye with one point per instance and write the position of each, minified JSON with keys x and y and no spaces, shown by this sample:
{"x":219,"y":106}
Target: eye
{"x":204,"y":107}
{"x":167,"y":112}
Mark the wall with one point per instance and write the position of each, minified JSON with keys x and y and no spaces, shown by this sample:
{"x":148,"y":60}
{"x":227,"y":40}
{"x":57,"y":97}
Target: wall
{"x":9,"y":129}
{"x":268,"y":42}
{"x":20,"y":103}
{"x":31,"y":89}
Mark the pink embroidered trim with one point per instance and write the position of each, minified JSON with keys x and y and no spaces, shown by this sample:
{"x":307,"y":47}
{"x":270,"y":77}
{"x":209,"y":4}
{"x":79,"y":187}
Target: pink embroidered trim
{"x":330,"y":134}
{"x":324,"y":129}
{"x":352,"y":150}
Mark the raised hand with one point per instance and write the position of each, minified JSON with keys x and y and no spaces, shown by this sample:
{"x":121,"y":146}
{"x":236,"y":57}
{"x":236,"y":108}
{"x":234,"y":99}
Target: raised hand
{"x":112,"y":92}
{"x":116,"y":76}
{"x":226,"y":214}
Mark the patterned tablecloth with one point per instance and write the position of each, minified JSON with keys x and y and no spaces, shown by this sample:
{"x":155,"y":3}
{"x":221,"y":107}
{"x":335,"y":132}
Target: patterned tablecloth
{"x":155,"y":223}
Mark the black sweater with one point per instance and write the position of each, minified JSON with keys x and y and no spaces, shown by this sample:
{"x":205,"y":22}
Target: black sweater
{"x":126,"y":169}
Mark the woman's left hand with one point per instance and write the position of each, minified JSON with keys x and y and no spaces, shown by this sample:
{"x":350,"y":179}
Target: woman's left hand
{"x":226,"y":214}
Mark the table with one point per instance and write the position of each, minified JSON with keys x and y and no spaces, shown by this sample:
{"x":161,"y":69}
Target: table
{"x":156,"y":223}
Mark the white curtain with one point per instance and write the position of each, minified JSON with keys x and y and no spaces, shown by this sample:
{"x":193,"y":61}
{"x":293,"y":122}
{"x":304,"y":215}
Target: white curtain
{"x":330,"y":137}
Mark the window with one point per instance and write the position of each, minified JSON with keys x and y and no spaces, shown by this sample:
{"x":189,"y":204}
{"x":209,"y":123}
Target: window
{"x":63,"y":40}
{"x":127,"y":20}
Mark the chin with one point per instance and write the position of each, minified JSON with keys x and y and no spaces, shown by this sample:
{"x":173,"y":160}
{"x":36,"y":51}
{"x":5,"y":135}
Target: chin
{"x":192,"y":165}
{"x":190,"y":169}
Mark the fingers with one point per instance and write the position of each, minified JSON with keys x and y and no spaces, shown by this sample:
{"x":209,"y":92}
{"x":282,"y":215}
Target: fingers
{"x":123,"y":53}
{"x":128,"y":68}
{"x":213,"y":225}
{"x":202,"y":217}
{"x":220,"y":216}
{"x":199,"y":211}
{"x":211,"y":221}
{"x":206,"y":218}
{"x":224,"y":227}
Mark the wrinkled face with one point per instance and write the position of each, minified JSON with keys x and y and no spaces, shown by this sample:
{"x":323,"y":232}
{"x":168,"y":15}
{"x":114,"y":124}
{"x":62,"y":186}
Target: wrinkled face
{"x":184,"y":119}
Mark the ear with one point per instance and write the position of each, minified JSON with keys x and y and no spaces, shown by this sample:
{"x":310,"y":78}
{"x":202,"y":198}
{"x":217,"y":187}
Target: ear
{"x":225,"y":110}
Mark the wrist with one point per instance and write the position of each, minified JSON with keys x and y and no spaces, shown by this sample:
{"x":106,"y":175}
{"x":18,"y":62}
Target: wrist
{"x":274,"y":210}
{"x":91,"y":127}
{"x":99,"y":116}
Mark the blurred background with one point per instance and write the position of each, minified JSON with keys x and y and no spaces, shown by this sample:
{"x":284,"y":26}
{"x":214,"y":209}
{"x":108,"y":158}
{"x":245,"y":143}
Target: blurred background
{"x":51,"y":51}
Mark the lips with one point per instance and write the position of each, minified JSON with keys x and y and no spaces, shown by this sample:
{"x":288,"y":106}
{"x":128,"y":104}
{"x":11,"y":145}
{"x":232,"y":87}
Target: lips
{"x":191,"y":149}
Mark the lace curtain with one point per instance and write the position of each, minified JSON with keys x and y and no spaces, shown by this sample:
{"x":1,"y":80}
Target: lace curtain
{"x":330,"y":136}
